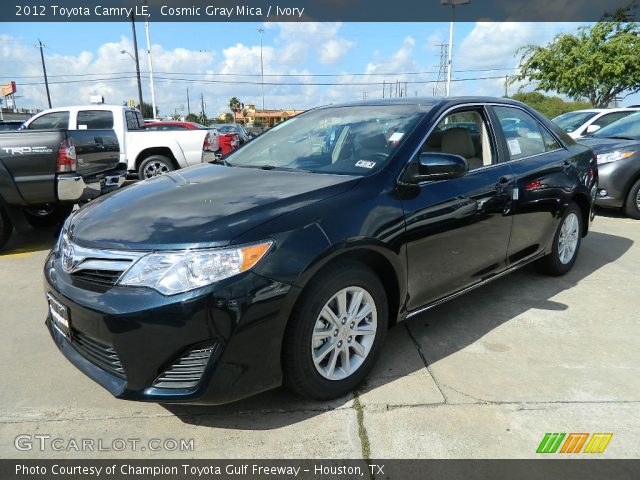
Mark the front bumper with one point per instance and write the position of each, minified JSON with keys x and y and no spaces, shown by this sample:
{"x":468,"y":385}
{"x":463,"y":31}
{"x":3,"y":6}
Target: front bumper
{"x":73,"y":187}
{"x":240,"y":321}
{"x":614,"y":180}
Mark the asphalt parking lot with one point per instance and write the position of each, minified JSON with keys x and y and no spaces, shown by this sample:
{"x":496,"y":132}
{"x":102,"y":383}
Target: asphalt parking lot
{"x":484,"y":376}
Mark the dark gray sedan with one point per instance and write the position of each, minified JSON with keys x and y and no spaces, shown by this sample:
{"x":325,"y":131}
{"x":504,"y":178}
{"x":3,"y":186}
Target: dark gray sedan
{"x":618,"y":149}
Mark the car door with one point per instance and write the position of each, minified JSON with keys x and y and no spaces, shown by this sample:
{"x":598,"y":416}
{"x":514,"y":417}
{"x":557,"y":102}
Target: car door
{"x":458,"y":229}
{"x":540,"y":166}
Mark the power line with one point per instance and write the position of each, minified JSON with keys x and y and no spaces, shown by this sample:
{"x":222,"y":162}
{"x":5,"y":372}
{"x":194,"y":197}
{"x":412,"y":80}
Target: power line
{"x":246,"y":82}
{"x":274,"y":74}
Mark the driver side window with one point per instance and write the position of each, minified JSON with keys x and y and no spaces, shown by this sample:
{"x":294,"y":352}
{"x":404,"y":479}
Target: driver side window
{"x":464,"y":133}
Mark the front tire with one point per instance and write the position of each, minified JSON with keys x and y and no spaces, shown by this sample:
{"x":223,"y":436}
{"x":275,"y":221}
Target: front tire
{"x":566,"y":243}
{"x":154,"y":166}
{"x":335,"y":332}
{"x":632,"y":203}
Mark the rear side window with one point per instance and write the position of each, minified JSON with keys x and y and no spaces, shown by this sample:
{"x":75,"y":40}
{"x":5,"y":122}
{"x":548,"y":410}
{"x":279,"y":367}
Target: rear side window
{"x":95,"y":120}
{"x":525,"y":136}
{"x":609,"y":118}
{"x":50,"y":121}
{"x":134,"y":122}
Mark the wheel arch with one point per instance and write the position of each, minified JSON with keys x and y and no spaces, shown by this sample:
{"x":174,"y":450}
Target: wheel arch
{"x":582,"y":200}
{"x":379,"y":259}
{"x":148,"y":152}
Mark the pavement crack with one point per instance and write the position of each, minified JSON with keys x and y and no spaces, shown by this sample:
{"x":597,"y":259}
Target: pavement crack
{"x":426,"y":363}
{"x":362,"y":430}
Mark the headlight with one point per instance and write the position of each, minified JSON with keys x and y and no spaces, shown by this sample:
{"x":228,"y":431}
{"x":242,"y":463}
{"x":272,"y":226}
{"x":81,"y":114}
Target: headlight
{"x":176,"y":272}
{"x":614,"y":156}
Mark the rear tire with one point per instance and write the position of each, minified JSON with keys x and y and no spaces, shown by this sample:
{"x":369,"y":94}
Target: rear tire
{"x":6,"y":227}
{"x":48,"y":215}
{"x":632,"y":204}
{"x":319,"y":363}
{"x":566,"y":243}
{"x":154,"y":166}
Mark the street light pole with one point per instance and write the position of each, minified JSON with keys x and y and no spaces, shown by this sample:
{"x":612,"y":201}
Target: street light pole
{"x":261,"y":31}
{"x":153,"y":90}
{"x":453,"y":4}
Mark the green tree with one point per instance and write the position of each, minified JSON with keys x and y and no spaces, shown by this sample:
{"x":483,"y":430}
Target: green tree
{"x":228,"y":118}
{"x":234,"y":106}
{"x":147,"y":110}
{"x":192,"y":117}
{"x":551,"y":107}
{"x":599,"y":62}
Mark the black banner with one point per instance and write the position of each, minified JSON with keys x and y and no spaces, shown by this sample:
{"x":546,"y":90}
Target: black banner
{"x":316,"y":10}
{"x":565,"y":469}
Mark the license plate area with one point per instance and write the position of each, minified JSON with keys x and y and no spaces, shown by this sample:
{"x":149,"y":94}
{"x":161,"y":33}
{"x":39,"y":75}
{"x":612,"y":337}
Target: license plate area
{"x":59,"y":314}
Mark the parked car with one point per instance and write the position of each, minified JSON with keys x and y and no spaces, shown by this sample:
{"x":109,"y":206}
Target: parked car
{"x":147,"y":153}
{"x":290,"y":263}
{"x":228,"y":142}
{"x":580,"y":123}
{"x":44,"y":173}
{"x":618,"y":150}
{"x":234,"y":128}
{"x":10,"y":125}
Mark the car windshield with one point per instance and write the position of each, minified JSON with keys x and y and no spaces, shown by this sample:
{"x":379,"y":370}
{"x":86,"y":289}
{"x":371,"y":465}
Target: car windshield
{"x":570,"y":121}
{"x":356,"y":140}
{"x":627,"y":127}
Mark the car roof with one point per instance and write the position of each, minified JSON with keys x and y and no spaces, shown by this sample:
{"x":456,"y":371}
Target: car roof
{"x":428,"y":101}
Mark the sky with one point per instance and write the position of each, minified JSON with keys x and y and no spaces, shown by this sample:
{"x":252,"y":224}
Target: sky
{"x":221,"y":60}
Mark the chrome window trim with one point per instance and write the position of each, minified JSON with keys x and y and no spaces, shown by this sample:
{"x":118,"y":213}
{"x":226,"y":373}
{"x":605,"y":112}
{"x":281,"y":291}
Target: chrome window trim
{"x":541,"y":125}
{"x":432,"y":128}
{"x":491,"y":127}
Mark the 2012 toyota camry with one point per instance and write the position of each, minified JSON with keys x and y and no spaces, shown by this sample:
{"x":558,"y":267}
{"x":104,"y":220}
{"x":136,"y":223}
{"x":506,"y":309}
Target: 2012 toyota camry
{"x":288,"y":263}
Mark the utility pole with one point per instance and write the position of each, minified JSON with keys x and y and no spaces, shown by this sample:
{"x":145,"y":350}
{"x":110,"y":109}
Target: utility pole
{"x":188,"y":104}
{"x":136,"y":58}
{"x":261,"y":31}
{"x":153,"y":90}
{"x":44,"y":70}
{"x":506,"y":86}
{"x":202,"y":106}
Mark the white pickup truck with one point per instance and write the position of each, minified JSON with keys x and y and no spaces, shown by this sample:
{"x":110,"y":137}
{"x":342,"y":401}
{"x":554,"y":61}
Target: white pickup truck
{"x":147,"y":153}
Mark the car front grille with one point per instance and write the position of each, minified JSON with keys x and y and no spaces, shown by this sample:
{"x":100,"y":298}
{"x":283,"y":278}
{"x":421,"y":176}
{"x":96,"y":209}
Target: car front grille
{"x":98,"y":353}
{"x":92,"y":268}
{"x":100,"y":277}
{"x":187,"y":371}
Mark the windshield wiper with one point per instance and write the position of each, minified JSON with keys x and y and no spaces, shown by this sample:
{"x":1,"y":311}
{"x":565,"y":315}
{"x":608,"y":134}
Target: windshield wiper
{"x":273,"y":167}
{"x":619,"y":137}
{"x":220,"y":161}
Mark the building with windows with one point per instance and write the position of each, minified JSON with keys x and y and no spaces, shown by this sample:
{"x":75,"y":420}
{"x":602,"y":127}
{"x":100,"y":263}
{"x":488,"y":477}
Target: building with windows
{"x":267,"y":118}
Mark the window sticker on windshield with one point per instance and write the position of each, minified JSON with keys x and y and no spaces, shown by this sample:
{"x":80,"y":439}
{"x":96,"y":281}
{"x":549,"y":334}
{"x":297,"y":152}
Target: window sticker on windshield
{"x":365,"y":164}
{"x":514,"y":146}
{"x":396,"y":137}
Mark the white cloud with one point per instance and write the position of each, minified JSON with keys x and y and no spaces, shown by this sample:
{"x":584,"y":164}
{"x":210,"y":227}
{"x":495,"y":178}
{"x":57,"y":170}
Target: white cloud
{"x":332,"y":51}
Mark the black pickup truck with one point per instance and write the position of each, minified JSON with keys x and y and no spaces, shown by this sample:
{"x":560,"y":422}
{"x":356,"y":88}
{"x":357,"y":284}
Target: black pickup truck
{"x":44,"y":173}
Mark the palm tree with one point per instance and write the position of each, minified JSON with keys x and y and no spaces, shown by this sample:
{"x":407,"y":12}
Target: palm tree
{"x":234,"y":106}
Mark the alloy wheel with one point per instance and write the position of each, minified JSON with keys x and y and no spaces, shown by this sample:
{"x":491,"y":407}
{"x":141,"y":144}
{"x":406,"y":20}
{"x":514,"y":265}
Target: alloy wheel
{"x":155,"y":168}
{"x":344,"y":333}
{"x":568,"y":240}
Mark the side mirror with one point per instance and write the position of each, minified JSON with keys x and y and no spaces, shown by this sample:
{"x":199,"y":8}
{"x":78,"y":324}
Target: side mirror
{"x":441,"y":166}
{"x":593,"y":128}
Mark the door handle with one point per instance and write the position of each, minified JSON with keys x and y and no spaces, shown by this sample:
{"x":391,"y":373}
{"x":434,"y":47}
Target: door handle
{"x":504,"y":180}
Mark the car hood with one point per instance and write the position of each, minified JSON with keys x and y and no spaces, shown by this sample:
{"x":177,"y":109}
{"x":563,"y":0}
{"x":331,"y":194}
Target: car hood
{"x":601,"y":145}
{"x":202,"y":206}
